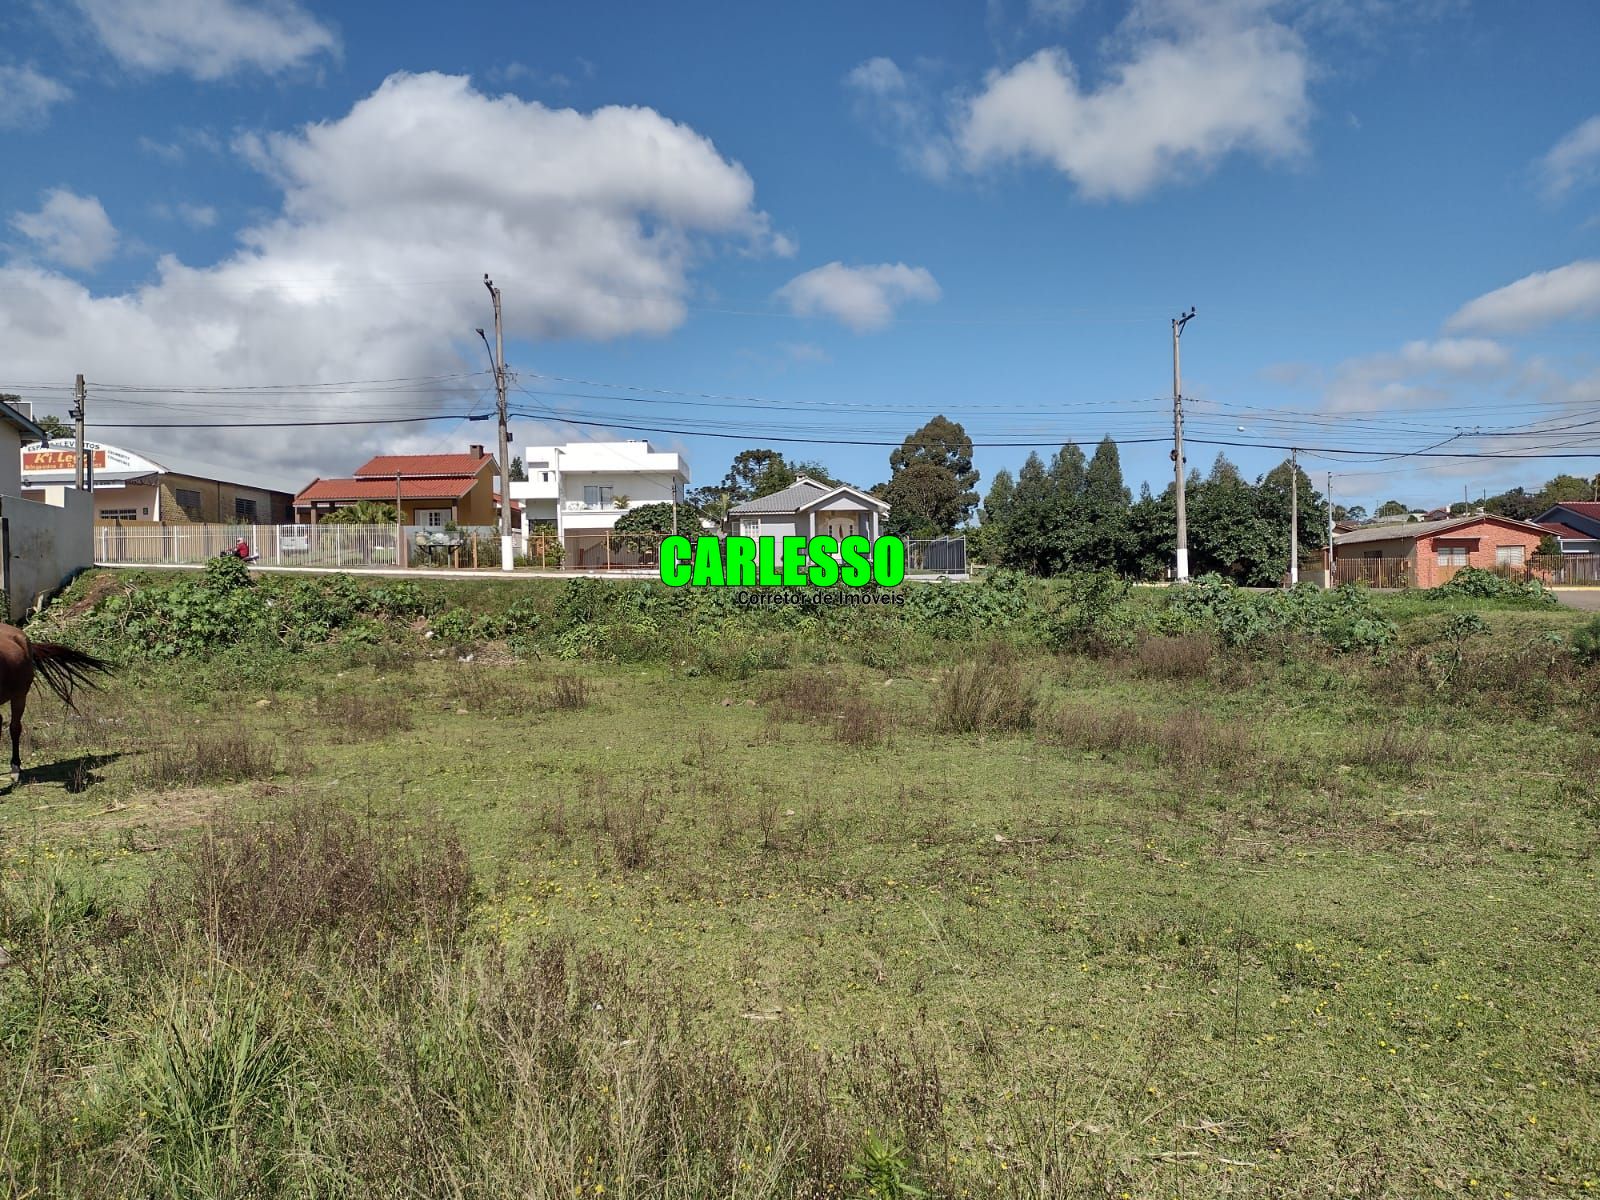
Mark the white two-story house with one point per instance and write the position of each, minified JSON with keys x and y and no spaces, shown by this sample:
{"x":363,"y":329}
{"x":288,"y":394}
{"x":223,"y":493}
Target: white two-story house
{"x":585,"y":487}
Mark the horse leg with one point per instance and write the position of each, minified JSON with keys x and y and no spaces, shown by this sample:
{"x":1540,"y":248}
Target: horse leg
{"x":18,"y":703}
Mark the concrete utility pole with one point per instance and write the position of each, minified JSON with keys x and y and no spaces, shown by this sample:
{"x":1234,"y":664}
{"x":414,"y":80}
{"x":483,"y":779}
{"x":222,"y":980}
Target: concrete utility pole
{"x":81,"y":393}
{"x":1182,"y":565}
{"x":1294,"y":518}
{"x":1330,"y":529}
{"x":506,"y":554}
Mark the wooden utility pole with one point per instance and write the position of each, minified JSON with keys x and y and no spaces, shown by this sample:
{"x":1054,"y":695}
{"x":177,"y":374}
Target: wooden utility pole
{"x":82,"y":394}
{"x":506,"y":560}
{"x":1181,"y":572}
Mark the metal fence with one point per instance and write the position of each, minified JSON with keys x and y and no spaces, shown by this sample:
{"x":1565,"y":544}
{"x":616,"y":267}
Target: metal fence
{"x":1374,"y":572}
{"x":352,"y":547}
{"x":326,"y":545}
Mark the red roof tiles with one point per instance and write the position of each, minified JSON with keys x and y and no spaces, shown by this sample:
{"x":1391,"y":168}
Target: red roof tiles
{"x":1566,"y":531}
{"x":413,"y":465}
{"x":438,"y":487}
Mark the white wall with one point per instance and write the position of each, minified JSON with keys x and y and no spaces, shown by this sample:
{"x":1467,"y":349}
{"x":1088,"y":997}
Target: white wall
{"x":644,"y":487}
{"x":48,"y":542}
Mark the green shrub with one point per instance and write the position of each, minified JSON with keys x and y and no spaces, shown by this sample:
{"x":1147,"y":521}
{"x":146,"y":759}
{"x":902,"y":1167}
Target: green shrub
{"x":1586,"y":642}
{"x":1344,"y":618}
{"x":1477,"y":584}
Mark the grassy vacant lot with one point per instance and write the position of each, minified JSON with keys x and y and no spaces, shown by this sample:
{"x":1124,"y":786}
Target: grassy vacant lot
{"x":1150,"y":917}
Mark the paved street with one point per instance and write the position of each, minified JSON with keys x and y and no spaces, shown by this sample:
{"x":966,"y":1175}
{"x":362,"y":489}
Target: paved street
{"x":1587,"y":598}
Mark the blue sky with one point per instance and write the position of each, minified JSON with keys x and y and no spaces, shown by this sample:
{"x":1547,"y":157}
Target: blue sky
{"x":817,"y":221}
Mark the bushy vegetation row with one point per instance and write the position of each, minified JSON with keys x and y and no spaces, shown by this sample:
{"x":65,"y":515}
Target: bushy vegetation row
{"x":709,"y":631}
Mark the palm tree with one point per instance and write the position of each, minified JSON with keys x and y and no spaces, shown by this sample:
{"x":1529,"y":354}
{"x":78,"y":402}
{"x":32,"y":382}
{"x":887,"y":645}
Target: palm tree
{"x":363,"y":512}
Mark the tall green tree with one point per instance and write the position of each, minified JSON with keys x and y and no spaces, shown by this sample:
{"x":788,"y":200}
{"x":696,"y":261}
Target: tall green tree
{"x":1391,"y":508}
{"x":1227,"y":532}
{"x":756,"y":473}
{"x":1274,"y":493}
{"x":988,"y":544}
{"x":518,"y":472}
{"x":1105,"y":505}
{"x":925,"y":501}
{"x":1515,"y":503}
{"x":941,"y":492}
{"x":1152,"y":534}
{"x":1564,"y":489}
{"x":1030,"y":520}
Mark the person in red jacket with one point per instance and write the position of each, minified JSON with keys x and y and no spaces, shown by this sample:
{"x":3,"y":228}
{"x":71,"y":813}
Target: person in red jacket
{"x":243,"y":550}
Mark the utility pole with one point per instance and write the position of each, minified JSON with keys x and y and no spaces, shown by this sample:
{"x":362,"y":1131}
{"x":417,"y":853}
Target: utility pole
{"x":1294,"y":518}
{"x":1182,"y":565}
{"x":81,"y":394}
{"x":505,"y":436}
{"x":1330,"y":529}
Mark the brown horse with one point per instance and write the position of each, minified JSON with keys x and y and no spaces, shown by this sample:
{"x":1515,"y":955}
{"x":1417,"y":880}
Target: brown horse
{"x":23,"y":662}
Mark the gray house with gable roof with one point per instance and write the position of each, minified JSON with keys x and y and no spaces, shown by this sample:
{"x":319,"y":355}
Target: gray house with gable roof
{"x":807,"y":508}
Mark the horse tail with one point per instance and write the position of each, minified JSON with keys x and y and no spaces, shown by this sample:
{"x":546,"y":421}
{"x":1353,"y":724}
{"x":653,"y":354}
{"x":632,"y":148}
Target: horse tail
{"x":63,"y":667}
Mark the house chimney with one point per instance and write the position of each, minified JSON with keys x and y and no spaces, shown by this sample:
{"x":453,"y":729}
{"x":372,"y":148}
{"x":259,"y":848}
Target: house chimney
{"x":477,"y":451}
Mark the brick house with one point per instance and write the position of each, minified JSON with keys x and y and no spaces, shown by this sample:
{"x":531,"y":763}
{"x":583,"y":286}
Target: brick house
{"x":1432,"y":551}
{"x":433,"y":490}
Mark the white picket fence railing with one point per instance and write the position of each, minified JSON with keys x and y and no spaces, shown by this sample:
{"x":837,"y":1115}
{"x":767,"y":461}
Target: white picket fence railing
{"x":325,"y":545}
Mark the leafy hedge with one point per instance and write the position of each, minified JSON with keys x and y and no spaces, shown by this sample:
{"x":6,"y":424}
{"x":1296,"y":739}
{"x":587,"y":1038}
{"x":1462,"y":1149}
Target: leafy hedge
{"x":1344,"y":618}
{"x":1475,"y":583}
{"x":713,"y":631}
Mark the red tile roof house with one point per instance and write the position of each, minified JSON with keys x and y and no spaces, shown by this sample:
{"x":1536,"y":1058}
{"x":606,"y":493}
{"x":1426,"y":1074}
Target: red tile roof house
{"x":433,"y":489}
{"x":1433,"y":551}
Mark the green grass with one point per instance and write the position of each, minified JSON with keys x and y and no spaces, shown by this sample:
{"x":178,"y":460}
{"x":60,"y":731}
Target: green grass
{"x":1316,"y":928}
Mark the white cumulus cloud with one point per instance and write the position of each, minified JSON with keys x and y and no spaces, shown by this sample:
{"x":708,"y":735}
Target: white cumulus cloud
{"x":69,"y":229}
{"x":864,"y":298}
{"x":1573,"y":161}
{"x":209,"y":39}
{"x":1198,"y":82}
{"x":590,"y":222}
{"x":901,"y":110}
{"x":1189,"y":83}
{"x":26,"y":97}
{"x":1534,"y":300}
{"x":1420,"y":372}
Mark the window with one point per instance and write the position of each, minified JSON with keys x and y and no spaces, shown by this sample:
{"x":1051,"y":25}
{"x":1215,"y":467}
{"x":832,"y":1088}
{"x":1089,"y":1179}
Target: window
{"x":118,"y":514}
{"x":544,"y":476}
{"x":597,"y":495}
{"x":189,"y":501}
{"x":244,"y":509}
{"x":1509,"y":556}
{"x":1452,"y":556}
{"x":435,"y":518}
